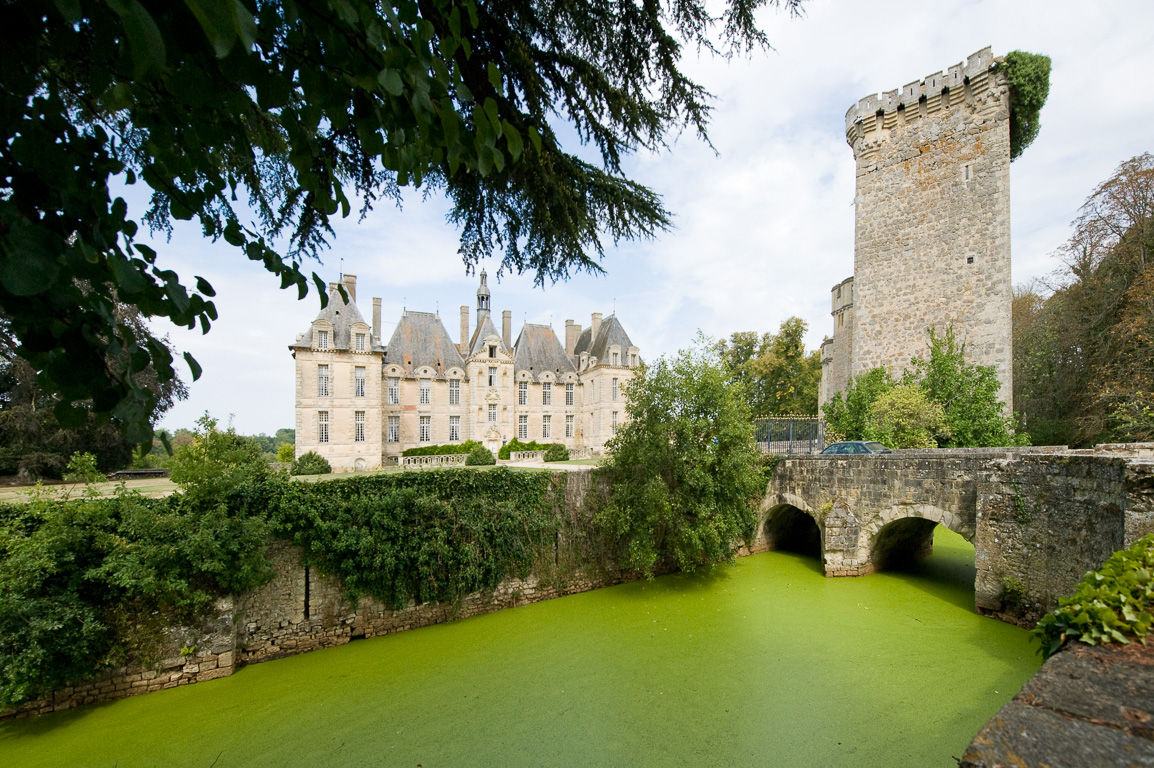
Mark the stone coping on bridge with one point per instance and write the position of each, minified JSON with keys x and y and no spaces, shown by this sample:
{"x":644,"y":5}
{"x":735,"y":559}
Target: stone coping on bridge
{"x":1086,"y":706}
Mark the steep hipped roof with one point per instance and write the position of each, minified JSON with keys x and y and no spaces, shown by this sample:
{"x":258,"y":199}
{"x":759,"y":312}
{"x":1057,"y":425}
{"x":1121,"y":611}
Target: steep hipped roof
{"x":485,"y":330}
{"x":421,"y":340}
{"x":609,"y":334}
{"x":341,"y":315}
{"x":539,"y":350}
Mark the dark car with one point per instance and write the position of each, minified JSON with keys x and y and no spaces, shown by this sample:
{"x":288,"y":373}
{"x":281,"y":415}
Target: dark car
{"x":857,"y":446}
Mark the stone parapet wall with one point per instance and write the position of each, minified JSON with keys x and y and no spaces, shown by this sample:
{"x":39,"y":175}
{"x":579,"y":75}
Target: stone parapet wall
{"x":1039,"y":518}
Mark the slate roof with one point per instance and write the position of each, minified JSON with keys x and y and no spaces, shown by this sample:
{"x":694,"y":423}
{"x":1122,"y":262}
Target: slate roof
{"x":341,"y":315}
{"x":538,"y":349}
{"x":484,"y":330}
{"x":419,"y":340}
{"x":611,"y":332}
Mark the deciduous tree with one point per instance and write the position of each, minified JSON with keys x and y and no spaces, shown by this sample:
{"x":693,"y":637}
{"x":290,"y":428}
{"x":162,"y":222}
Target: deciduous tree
{"x":684,"y":468}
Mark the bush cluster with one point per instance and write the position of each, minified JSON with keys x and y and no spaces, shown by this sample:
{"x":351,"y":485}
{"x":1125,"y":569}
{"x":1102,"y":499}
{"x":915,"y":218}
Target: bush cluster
{"x":480,"y":456}
{"x":87,"y":583}
{"x":1112,"y":604}
{"x":553,"y":451}
{"x":443,"y":450}
{"x":311,"y":463}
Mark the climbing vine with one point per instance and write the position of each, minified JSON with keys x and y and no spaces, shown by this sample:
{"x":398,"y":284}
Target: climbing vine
{"x":1112,"y":604}
{"x":432,"y":536}
{"x":1029,"y":78}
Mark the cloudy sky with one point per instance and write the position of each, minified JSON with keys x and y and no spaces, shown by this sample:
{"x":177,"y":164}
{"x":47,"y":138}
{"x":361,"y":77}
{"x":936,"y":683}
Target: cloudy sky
{"x":763,"y":227}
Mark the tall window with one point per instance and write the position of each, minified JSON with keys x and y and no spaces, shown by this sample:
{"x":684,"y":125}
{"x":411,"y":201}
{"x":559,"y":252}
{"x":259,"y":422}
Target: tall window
{"x":454,"y":392}
{"x":522,"y":393}
{"x":454,"y":428}
{"x":633,"y":361}
{"x":426,"y":429}
{"x":360,"y":342}
{"x":322,"y":426}
{"x":394,"y":391}
{"x":322,"y":381}
{"x":492,"y":376}
{"x":322,"y":339}
{"x":393,"y":435}
{"x":359,"y":426}
{"x":614,"y":422}
{"x":546,"y":393}
{"x":569,"y":394}
{"x":546,"y":427}
{"x":359,"y":379}
{"x":426,"y":391}
{"x":522,"y":427}
{"x":493,"y":412}
{"x":615,"y":390}
{"x":569,"y":425}
{"x":615,"y":362}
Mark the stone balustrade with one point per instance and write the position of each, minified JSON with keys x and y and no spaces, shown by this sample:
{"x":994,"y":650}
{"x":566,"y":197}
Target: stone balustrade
{"x":424,"y":462}
{"x":527,"y":456}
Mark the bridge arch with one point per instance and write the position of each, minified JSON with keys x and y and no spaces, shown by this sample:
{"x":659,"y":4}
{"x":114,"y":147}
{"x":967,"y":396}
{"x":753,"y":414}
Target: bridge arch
{"x":905,"y":532}
{"x":788,"y":523}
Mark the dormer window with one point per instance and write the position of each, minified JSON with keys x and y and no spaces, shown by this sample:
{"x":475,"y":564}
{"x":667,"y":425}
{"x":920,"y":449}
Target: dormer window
{"x":322,"y":339}
{"x":360,"y":342}
{"x":633,"y":361}
{"x":492,"y":350}
{"x":615,"y":360}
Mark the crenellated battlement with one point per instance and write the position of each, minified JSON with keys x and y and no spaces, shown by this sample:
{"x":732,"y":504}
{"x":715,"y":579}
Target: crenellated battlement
{"x":957,"y":85}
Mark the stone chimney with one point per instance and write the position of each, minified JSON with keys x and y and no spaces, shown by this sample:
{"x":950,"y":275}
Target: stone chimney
{"x":596,"y":326}
{"x":350,"y":284}
{"x":377,"y":320}
{"x":464,"y":329}
{"x":569,"y":338}
{"x":507,"y":329}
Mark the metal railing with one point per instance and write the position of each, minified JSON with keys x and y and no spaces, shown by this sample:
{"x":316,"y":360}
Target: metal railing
{"x":790,"y":434}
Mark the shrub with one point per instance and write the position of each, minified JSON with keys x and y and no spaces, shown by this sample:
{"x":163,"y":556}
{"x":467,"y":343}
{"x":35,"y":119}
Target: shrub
{"x":89,"y":584}
{"x":216,"y":462}
{"x":903,"y":417}
{"x":442,"y":450}
{"x":285,"y":453}
{"x":311,"y":463}
{"x":480,"y":456}
{"x":1112,"y":604}
{"x":556,"y":452}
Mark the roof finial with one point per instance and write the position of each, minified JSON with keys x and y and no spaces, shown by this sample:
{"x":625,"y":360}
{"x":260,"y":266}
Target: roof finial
{"x":341,"y":279}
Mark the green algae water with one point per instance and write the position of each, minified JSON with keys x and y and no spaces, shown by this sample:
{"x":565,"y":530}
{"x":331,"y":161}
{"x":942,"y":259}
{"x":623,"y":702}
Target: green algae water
{"x":765,"y":662}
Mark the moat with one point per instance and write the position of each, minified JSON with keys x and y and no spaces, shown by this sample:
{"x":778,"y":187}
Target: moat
{"x":765,"y":662}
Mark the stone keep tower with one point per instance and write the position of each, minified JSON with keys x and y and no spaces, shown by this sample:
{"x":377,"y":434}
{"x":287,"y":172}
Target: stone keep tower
{"x":932,"y":225}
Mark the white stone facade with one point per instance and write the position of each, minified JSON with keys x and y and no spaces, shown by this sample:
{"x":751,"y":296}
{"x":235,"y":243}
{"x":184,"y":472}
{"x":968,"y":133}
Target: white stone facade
{"x":361,"y":402}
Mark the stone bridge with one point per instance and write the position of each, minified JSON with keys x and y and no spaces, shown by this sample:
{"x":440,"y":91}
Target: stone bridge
{"x":1038,"y":518}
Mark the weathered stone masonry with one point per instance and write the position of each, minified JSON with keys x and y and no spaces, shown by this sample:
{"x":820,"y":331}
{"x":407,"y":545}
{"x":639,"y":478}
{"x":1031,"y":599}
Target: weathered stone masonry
{"x":932,"y":225}
{"x":301,"y":610}
{"x":1039,"y":518}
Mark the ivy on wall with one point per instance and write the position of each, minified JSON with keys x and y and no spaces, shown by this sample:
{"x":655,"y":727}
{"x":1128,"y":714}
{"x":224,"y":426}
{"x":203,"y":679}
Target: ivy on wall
{"x":1029,"y":78}
{"x":430,"y":536}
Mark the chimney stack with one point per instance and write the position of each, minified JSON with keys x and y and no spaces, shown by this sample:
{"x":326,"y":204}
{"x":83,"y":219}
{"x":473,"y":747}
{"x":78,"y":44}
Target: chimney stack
{"x":377,"y":320}
{"x":350,"y":284}
{"x":596,"y":326}
{"x":464,"y":329}
{"x":570,"y":338}
{"x":507,"y":329}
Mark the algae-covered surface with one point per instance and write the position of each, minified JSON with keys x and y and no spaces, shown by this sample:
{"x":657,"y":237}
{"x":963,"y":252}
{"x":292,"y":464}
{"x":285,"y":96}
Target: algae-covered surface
{"x":765,"y":662}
